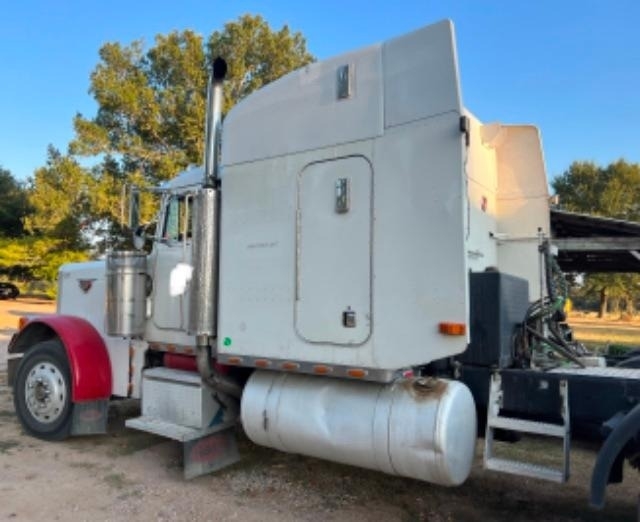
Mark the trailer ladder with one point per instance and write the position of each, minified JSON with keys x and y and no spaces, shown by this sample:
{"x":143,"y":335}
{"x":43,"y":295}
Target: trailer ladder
{"x":497,"y":421}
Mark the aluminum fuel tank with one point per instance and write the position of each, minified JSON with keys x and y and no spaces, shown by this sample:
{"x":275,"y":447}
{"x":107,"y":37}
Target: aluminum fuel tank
{"x":126,"y":293}
{"x":419,"y":428}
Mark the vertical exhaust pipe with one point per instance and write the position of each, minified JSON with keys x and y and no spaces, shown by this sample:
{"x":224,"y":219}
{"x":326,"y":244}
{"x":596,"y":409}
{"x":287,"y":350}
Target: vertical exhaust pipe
{"x":204,"y":284}
{"x":213,"y":128}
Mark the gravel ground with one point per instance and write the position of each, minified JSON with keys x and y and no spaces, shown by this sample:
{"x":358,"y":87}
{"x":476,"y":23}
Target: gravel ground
{"x":136,"y":476}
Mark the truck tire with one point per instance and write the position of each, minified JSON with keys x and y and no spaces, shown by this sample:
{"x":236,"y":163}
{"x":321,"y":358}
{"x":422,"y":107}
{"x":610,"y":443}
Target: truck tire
{"x":42,"y":391}
{"x":611,"y":450}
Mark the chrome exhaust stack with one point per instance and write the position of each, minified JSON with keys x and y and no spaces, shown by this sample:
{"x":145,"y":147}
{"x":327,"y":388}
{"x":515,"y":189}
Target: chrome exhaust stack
{"x":205,"y":255}
{"x":213,"y":129}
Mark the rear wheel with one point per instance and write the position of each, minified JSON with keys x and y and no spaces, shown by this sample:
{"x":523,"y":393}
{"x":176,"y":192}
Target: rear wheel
{"x":42,"y":391}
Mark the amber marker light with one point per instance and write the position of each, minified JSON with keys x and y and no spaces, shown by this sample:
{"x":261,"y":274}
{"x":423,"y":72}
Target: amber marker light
{"x":290,"y":366}
{"x":262,"y":363}
{"x":357,"y":373}
{"x":321,"y":369}
{"x":452,"y":328}
{"x":234,"y":360}
{"x":22,"y":322}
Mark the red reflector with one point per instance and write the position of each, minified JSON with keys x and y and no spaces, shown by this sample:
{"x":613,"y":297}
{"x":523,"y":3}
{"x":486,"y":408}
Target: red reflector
{"x":452,"y":328}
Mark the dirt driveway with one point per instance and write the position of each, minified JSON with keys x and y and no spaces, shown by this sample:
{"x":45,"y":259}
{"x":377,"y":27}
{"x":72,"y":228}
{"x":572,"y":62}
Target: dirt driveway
{"x":128,"y":475}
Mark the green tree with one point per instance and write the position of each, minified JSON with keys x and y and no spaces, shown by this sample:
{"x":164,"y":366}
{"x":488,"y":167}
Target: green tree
{"x":35,"y":259}
{"x":612,"y":191}
{"x":14,"y":206}
{"x":151,"y":105}
{"x":256,"y":55}
{"x":580,"y":187}
{"x":149,"y":125}
{"x":60,"y":195}
{"x":620,"y":197}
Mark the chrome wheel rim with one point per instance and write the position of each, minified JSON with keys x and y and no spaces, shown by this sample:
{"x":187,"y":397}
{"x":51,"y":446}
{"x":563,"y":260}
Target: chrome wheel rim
{"x":45,"y":392}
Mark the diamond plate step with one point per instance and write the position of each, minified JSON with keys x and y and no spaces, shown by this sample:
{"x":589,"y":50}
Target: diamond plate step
{"x":526,"y":426}
{"x":170,"y":430}
{"x":525,"y":469}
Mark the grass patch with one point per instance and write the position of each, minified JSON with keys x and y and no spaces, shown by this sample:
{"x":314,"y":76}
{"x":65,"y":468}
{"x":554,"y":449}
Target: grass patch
{"x":117,"y":480}
{"x":535,"y":450}
{"x":136,"y":493}
{"x":600,"y":336}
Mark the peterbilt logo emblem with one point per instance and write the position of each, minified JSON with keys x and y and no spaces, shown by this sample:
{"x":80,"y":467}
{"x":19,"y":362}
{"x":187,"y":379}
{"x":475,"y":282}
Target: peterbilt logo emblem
{"x":85,"y":284}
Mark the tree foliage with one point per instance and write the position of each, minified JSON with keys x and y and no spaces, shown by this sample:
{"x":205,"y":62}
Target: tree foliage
{"x":256,"y":55}
{"x":151,"y":105}
{"x":14,"y":206}
{"x":31,"y":258}
{"x":60,"y":196}
{"x":612,"y":191}
{"x":149,"y":124}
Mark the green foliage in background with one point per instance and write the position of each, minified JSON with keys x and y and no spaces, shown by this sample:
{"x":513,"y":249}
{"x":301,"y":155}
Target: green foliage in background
{"x":151,"y":104}
{"x":60,"y":197}
{"x":149,"y":126}
{"x":256,"y":55}
{"x":23,"y":257}
{"x":28,"y":259}
{"x":14,"y":205}
{"x":150,"y":122}
{"x":612,"y":191}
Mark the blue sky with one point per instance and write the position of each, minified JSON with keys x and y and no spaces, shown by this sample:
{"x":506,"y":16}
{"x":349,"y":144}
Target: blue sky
{"x":570,"y":67}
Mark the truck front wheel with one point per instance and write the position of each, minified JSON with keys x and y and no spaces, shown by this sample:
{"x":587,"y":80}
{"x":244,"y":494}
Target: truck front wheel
{"x":42,"y":391}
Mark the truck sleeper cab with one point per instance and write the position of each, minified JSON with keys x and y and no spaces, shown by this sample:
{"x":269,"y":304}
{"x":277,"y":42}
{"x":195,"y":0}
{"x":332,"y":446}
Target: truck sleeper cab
{"x":314,"y":280}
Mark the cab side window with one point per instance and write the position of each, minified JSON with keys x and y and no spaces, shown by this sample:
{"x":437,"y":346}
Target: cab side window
{"x":178,"y":214}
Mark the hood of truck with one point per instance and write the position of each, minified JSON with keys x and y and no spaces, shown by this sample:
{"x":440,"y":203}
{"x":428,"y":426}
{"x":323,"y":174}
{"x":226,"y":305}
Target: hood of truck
{"x":81,"y":291}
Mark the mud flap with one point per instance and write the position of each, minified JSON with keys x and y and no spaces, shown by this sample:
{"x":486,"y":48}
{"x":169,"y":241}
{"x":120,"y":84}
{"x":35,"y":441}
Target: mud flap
{"x":609,"y":453}
{"x":89,"y":417}
{"x":210,"y":453}
{"x":12,"y":369}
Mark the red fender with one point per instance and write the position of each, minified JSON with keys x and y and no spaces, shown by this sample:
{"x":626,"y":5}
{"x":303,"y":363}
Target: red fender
{"x":88,"y":357}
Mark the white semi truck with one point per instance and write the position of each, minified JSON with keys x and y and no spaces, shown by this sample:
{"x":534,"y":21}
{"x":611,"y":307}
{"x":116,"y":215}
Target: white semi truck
{"x":350,"y":275}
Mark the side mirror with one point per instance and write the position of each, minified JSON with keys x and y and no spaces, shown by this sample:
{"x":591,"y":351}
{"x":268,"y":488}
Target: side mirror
{"x":142,"y":234}
{"x":139,"y":237}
